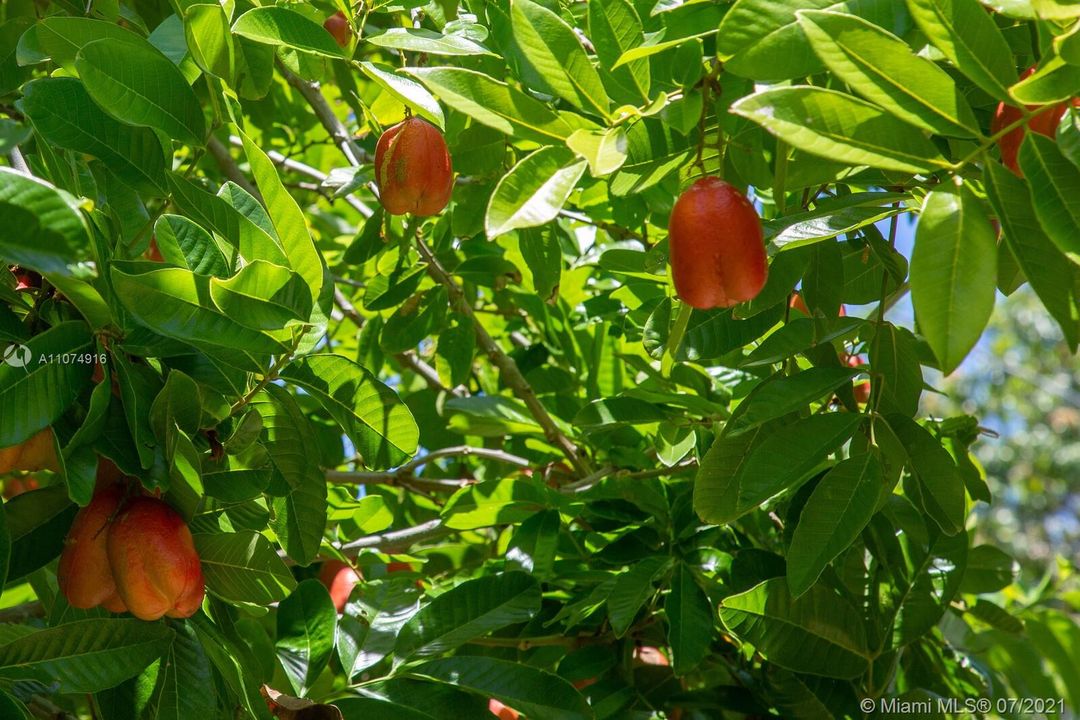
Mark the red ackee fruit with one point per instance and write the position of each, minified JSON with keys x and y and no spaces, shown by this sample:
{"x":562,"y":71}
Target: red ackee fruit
{"x":154,"y":562}
{"x":413,"y":169}
{"x":338,"y":26}
{"x":1045,"y":123}
{"x":84,"y":574}
{"x":340,"y":579}
{"x":717,"y":248}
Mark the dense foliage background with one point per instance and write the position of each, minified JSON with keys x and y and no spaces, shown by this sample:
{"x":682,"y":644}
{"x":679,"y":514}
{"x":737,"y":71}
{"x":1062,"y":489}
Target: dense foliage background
{"x":556,"y":497}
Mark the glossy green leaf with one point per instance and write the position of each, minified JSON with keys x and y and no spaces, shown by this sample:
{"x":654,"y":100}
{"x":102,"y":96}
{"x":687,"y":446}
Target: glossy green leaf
{"x":534,"y":191}
{"x":690,"y":621}
{"x":555,"y":53}
{"x":832,"y":124}
{"x":933,"y":468}
{"x":531,"y":690}
{"x":494,"y":103}
{"x":878,"y":65}
{"x":88,"y":655}
{"x":62,"y":112}
{"x":741,"y":472}
{"x":243,"y":567}
{"x":306,"y":623}
{"x":1054,"y":278}
{"x":281,"y":26}
{"x":139,"y":86}
{"x":1054,"y":183}
{"x":51,"y":230}
{"x":968,"y":36}
{"x":953,"y":273}
{"x":818,"y":634}
{"x":421,"y":40}
{"x":470,"y":610}
{"x":381,"y":428}
{"x":407,"y":90}
{"x":838,"y":509}
{"x":263,"y":296}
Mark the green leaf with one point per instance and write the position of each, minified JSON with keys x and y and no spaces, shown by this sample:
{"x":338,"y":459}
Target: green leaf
{"x":233,"y":214}
{"x":12,"y":708}
{"x":779,"y":396}
{"x":62,"y":112}
{"x":894,"y":358}
{"x":470,"y":610}
{"x":838,"y":509}
{"x":878,"y":65}
{"x":1054,"y":183}
{"x":61,"y":37}
{"x":953,"y":273}
{"x":5,"y":549}
{"x":263,"y":296}
{"x":206,"y":28}
{"x":281,"y":26}
{"x":494,"y":103}
{"x":543,"y":260}
{"x":176,"y":303}
{"x":369,"y":627}
{"x":534,"y":547}
{"x":136,"y":84}
{"x":1055,"y":81}
{"x":553,"y":52}
{"x":289,"y":439}
{"x":421,"y":40}
{"x":243,"y":568}
{"x":534,"y":191}
{"x":306,"y":623}
{"x":604,"y":150}
{"x":182,"y":680}
{"x":631,"y":590}
{"x":287,"y":218}
{"x":934,"y":469}
{"x":840,"y":127}
{"x":741,"y":472}
{"x":44,"y":388}
{"x":968,"y":36}
{"x":185,"y":244}
{"x":498,"y":501}
{"x":989,"y":569}
{"x":381,"y":428}
{"x":408,"y":91}
{"x":51,"y":231}
{"x":87,"y":655}
{"x":761,"y":39}
{"x":532,"y":691}
{"x":615,"y":28}
{"x":37,"y":522}
{"x":1054,"y":278}
{"x":817,"y":634}
{"x":690,"y":621}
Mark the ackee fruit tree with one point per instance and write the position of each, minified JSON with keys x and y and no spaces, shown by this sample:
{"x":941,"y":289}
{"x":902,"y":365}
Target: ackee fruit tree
{"x":547,"y":359}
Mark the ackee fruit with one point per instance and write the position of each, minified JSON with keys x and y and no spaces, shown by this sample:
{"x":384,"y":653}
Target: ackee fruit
{"x":413,"y":169}
{"x":36,"y":453}
{"x":1045,"y":123}
{"x":154,"y":562}
{"x":717,"y":249}
{"x":338,"y":26}
{"x":340,"y":579}
{"x":84,"y":574}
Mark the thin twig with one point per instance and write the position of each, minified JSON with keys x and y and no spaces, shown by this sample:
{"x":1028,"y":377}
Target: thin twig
{"x":508,"y":369}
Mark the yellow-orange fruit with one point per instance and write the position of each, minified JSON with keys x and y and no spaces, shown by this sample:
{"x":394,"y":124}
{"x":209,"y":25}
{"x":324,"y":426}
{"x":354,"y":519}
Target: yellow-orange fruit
{"x":84,"y":575}
{"x":717,"y":249}
{"x":36,"y":453}
{"x":862,"y":388}
{"x":154,"y":562}
{"x":501,"y":711}
{"x":413,"y":169}
{"x":340,"y":579}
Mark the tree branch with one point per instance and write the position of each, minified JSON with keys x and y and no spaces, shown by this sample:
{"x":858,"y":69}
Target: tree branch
{"x":508,"y":369}
{"x":229,"y":167}
{"x":397,"y":540}
{"x":18,"y":614}
{"x":406,"y":474}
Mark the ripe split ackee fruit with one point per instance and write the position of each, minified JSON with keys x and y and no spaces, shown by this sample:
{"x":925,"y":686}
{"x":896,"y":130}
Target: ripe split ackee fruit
{"x":413,"y":169}
{"x":717,"y":247}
